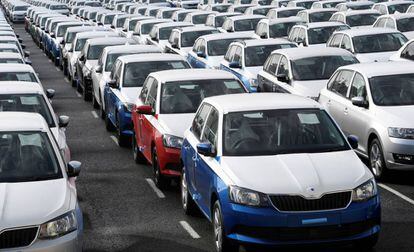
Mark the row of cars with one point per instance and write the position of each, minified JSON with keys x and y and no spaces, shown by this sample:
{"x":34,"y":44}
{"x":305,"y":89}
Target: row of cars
{"x":266,"y":169}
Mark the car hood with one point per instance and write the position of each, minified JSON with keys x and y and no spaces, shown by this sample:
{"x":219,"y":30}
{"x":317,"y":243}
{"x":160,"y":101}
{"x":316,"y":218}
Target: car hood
{"x":296,"y":173}
{"x":309,"y":88}
{"x":130,"y":94}
{"x":409,"y":35}
{"x":44,"y":200}
{"x":251,"y":72}
{"x":395,"y":116}
{"x":175,"y":124}
{"x":374,"y":57}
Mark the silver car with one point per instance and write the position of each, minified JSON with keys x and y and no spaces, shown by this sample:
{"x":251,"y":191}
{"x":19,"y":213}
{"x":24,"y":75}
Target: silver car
{"x":375,"y":102}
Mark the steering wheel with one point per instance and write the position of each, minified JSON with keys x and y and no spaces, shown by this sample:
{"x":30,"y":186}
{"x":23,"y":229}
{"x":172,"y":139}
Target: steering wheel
{"x":244,"y":141}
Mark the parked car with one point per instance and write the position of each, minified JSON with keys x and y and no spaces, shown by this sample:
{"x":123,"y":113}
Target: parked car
{"x":276,"y":28}
{"x":307,"y":4}
{"x":305,"y":177}
{"x":327,"y":4}
{"x":160,"y":33}
{"x":283,"y":12}
{"x":392,"y":7}
{"x":402,"y":22}
{"x":165,"y":109}
{"x":144,"y":27}
{"x":372,"y":101}
{"x":242,"y":23}
{"x":314,"y":34}
{"x":356,"y":18}
{"x":369,"y":44}
{"x":301,"y":71}
{"x":12,"y":58}
{"x":197,"y":17}
{"x":406,"y":52}
{"x":316,"y":15}
{"x":18,"y":72}
{"x":216,"y":20}
{"x":357,"y":5}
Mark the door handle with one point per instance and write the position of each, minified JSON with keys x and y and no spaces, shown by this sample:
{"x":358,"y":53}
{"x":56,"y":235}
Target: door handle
{"x":186,"y":147}
{"x":195,"y":158}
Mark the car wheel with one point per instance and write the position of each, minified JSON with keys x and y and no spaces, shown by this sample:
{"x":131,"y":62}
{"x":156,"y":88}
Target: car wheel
{"x":108,"y":124}
{"x":138,"y":156}
{"x":367,"y":244}
{"x":86,"y":94}
{"x":159,"y":180}
{"x":94,"y":101}
{"x":376,"y":160}
{"x":79,"y":88}
{"x":221,"y":242}
{"x":123,"y":141}
{"x":187,"y":201}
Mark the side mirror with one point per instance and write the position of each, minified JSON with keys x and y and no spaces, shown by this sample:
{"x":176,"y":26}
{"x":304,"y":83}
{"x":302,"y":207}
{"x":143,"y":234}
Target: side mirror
{"x":201,"y":54}
{"x":175,"y":46}
{"x":113,"y":26}
{"x":145,"y":110}
{"x":20,"y":41}
{"x":28,"y":62}
{"x":360,"y":102}
{"x":23,"y":46}
{"x":82,"y":58}
{"x":62,"y":42}
{"x":282,"y":78}
{"x":124,"y":30}
{"x":98,"y":69}
{"x":50,"y":93}
{"x":74,"y":168}
{"x":26,"y":54}
{"x":70,"y":50}
{"x":263,"y":36}
{"x":52,"y":35}
{"x":353,"y":141}
{"x":206,"y":149}
{"x":112,"y":84}
{"x":234,"y":64}
{"x":63,"y":121}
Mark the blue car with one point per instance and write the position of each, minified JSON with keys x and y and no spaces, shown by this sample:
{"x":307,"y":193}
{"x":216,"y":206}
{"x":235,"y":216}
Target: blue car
{"x":275,"y":169}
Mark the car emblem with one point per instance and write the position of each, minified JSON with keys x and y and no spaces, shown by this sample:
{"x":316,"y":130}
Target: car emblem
{"x":311,"y":191}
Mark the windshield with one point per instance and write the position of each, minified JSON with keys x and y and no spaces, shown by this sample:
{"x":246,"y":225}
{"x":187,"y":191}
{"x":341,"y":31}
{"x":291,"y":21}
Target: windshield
{"x":21,"y":8}
{"x":18,"y":76}
{"x":378,"y":42}
{"x":287,"y":13}
{"x":135,"y":73}
{"x":257,"y":55}
{"x":281,"y":30}
{"x":93,"y":4}
{"x":261,"y":11}
{"x":219,"y":20}
{"x":185,"y":96}
{"x":120,"y":22}
{"x":392,"y":90}
{"x":322,"y":34}
{"x":132,"y":24}
{"x":361,"y":19}
{"x":272,"y":132}
{"x":401,"y":8}
{"x":166,"y":32}
{"x":188,"y":38}
{"x":27,"y":156}
{"x":405,"y":24}
{"x":32,"y":103}
{"x":108,"y":19}
{"x":11,"y":61}
{"x":62,"y":29}
{"x":95,"y":51}
{"x":319,"y":68}
{"x":219,"y":47}
{"x":361,"y":7}
{"x":58,"y":7}
{"x":200,"y":19}
{"x":168,"y":13}
{"x":306,"y":5}
{"x":146,"y":28}
{"x":220,"y":8}
{"x":320,"y":16}
{"x":246,"y":24}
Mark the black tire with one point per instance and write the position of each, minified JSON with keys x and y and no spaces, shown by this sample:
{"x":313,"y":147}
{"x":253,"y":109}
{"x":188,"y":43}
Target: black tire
{"x":138,"y":156}
{"x":221,"y":242}
{"x":187,"y":202}
{"x":123,"y":141}
{"x":376,"y":160}
{"x":367,"y":244}
{"x":160,"y":181}
{"x":102,"y":113}
{"x":108,"y":124}
{"x":79,"y":88}
{"x":87,"y":96}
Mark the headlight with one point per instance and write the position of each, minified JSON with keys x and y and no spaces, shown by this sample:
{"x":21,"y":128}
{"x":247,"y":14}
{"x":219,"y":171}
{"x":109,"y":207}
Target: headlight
{"x":365,"y":191}
{"x":59,"y":226}
{"x":247,"y":197}
{"x":129,"y":106}
{"x":253,"y":82}
{"x":405,"y":133}
{"x":172,"y":141}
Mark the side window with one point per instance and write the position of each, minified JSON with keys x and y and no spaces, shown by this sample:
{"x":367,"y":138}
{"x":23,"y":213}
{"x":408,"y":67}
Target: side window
{"x":202,"y":47}
{"x":336,"y":40}
{"x":390,"y":23}
{"x":383,"y":9}
{"x":293,"y":34}
{"x":334,"y":18}
{"x":358,"y":88}
{"x":145,"y":88}
{"x":341,"y":83}
{"x":283,"y":67}
{"x":346,"y":43}
{"x":237,"y":54}
{"x":272,"y":63}
{"x":408,"y":52}
{"x":118,"y":74}
{"x":114,"y":70}
{"x":196,"y":45}
{"x":210,"y":129}
{"x":380,"y":23}
{"x":301,"y":36}
{"x":230,"y":53}
{"x":152,"y":95}
{"x":199,"y":120}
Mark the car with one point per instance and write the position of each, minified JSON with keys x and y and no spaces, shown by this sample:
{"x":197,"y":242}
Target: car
{"x":356,"y":18}
{"x":209,"y":50}
{"x":126,"y":80}
{"x":399,"y":21}
{"x":107,"y":18}
{"x":160,"y":33}
{"x":101,"y":72}
{"x":357,"y":5}
{"x":219,"y":7}
{"x":316,"y":15}
{"x":181,"y":40}
{"x":307,"y":4}
{"x":369,"y":44}
{"x":315,"y":34}
{"x":327,"y":4}
{"x":406,"y":52}
{"x":301,"y":160}
{"x":166,"y":12}
{"x":29,"y":97}
{"x":59,"y":8}
{"x":31,"y":167}
{"x":165,"y":109}
{"x":88,"y":59}
{"x":259,"y":10}
{"x":372,"y":101}
{"x":9,"y":48}
{"x":242,"y":23}
{"x":392,"y":7}
{"x":283,"y":12}
{"x":197,"y":17}
{"x":50,"y":28}
{"x":276,"y":28}
{"x":18,"y":72}
{"x":179,"y":15}
{"x":12,"y":58}
{"x":240,"y":8}
{"x":129,"y":25}
{"x":12,"y":40}
{"x":119,"y":20}
{"x":301,"y":71}
{"x":245,"y":58}
{"x":144,"y":27}
{"x":216,"y":20}
{"x":18,"y":12}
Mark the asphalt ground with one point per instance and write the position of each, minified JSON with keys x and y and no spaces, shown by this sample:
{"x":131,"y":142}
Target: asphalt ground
{"x":122,"y":210}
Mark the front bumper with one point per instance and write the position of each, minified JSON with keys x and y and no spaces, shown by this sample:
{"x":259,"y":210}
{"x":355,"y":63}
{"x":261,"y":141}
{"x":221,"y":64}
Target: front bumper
{"x":169,"y":161}
{"x":401,"y":147}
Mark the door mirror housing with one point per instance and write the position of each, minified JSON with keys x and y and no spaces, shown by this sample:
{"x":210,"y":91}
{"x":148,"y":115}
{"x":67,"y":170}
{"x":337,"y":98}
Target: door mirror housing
{"x":206,"y":149}
{"x":234,"y":64}
{"x":28,"y":62}
{"x":82,"y":58}
{"x":20,"y":41}
{"x":74,"y":168}
{"x":52,"y":35}
{"x":63,"y":121}
{"x":26,"y":54}
{"x":145,"y":110}
{"x":353,"y":141}
{"x":62,"y":42}
{"x":282,"y":78}
{"x":23,"y":46}
{"x":360,"y":102}
{"x":175,"y":46}
{"x":112,"y":84}
{"x":50,"y":93}
{"x":112,"y":26}
{"x":98,"y":69}
{"x":201,"y":54}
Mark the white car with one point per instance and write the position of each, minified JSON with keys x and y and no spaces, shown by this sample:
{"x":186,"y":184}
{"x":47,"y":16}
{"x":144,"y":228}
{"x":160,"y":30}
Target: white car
{"x":144,"y":27}
{"x":38,"y":180}
{"x":406,"y":52}
{"x":129,"y":25}
{"x":276,"y":28}
{"x":197,"y":17}
{"x":11,"y":58}
{"x":242,"y":23}
{"x":160,"y":33}
{"x":301,"y":71}
{"x":391,"y":7}
{"x":356,"y":18}
{"x":369,"y":44}
{"x":402,"y":22}
{"x":284,"y":12}
{"x":316,"y":15}
{"x":18,"y":72}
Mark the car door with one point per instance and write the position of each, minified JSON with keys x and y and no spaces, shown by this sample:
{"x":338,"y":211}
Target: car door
{"x":148,"y":120}
{"x":282,"y":70}
{"x":111,"y":97}
{"x":138,"y":118}
{"x":266,"y":77}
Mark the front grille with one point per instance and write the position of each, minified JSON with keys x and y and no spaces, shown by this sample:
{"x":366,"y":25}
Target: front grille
{"x":307,"y":233}
{"x":17,"y":237}
{"x":330,"y":201}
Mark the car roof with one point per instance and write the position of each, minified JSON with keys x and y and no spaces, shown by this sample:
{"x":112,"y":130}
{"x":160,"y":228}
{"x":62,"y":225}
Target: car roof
{"x":108,"y":41}
{"x":367,"y":31}
{"x":21,"y":88}
{"x":8,"y":38}
{"x":382,"y":68}
{"x":288,"y":8}
{"x":284,"y":20}
{"x":304,"y":52}
{"x":260,"y":101}
{"x":359,"y":12}
{"x":235,"y":35}
{"x":358,"y":3}
{"x":22,"y":121}
{"x":323,"y":24}
{"x":243,"y":17}
{"x":191,"y":74}
{"x":95,"y":34}
{"x":258,"y":42}
{"x":87,"y":28}
{"x":10,"y":55}
{"x":219,"y":14}
{"x":154,"y":20}
{"x":131,"y":48}
{"x":150,"y":57}
{"x":14,"y":67}
{"x":9,"y":46}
